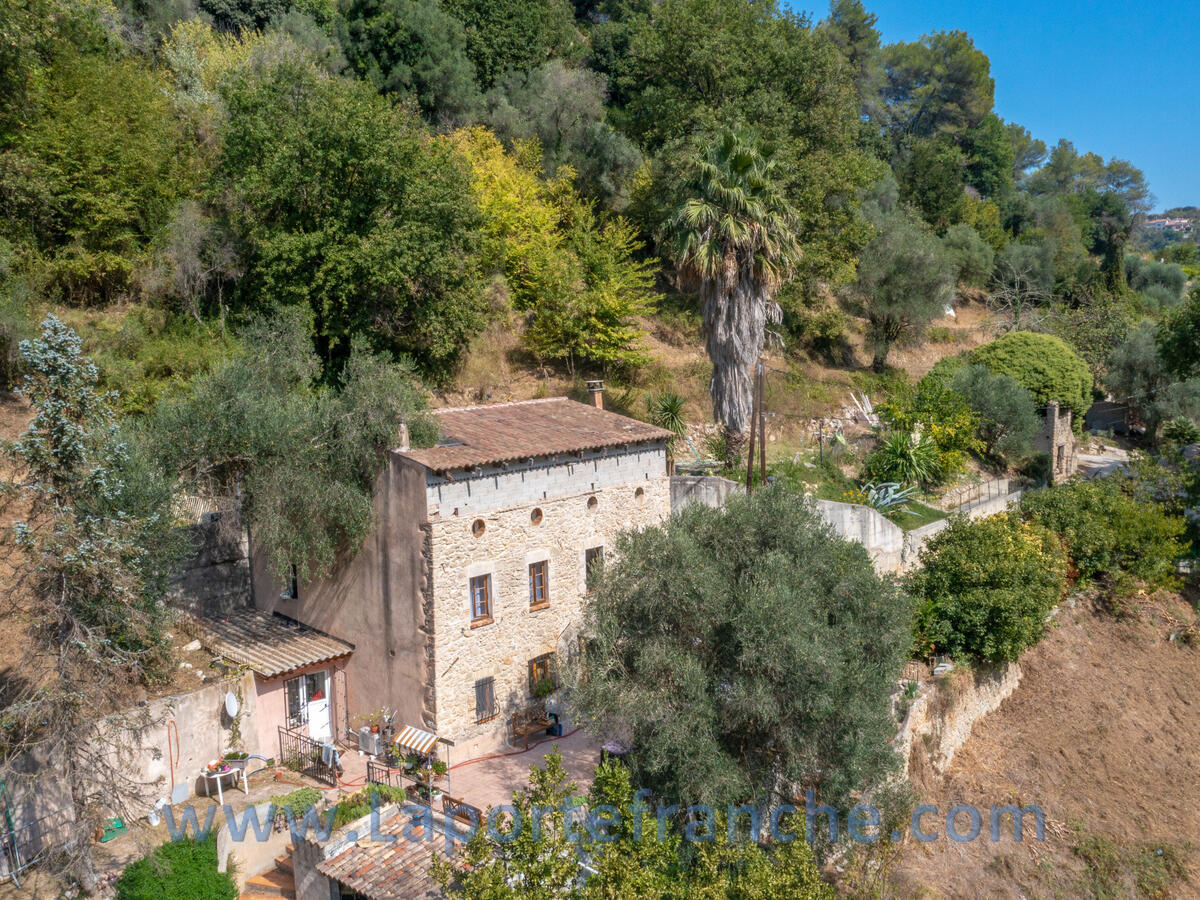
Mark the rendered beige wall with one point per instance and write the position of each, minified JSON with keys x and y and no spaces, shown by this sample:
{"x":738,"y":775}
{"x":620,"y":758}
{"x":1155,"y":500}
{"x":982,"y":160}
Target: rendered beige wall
{"x":373,"y":600}
{"x":509,"y":544}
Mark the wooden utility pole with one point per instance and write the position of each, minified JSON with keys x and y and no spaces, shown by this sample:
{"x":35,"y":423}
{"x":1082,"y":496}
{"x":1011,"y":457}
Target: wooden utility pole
{"x":762,"y":423}
{"x":753,"y":434}
{"x":757,"y":430}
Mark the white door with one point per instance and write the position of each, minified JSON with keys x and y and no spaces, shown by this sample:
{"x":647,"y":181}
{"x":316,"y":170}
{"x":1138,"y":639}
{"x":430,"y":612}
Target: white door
{"x":308,"y":703}
{"x":316,"y":692}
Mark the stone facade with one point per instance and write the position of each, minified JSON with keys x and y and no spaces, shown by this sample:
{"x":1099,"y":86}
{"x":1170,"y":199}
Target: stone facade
{"x":1057,"y":440}
{"x":403,"y":599}
{"x":557,"y":530}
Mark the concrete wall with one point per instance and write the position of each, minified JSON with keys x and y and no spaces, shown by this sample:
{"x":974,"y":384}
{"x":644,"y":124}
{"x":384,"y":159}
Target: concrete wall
{"x":883,"y":538}
{"x":193,"y":728}
{"x":510,"y":542}
{"x":374,"y":599}
{"x":500,"y":487}
{"x":711,"y":490}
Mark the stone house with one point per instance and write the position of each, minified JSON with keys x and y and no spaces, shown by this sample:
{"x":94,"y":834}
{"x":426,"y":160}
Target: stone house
{"x":1058,"y":441}
{"x":471,"y":586}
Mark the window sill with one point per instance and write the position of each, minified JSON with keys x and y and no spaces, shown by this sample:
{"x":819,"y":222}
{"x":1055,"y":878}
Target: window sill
{"x":479,"y":623}
{"x":534,"y":607}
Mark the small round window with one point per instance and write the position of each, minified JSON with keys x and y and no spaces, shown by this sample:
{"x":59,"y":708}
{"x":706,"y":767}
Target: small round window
{"x":536,"y":516}
{"x":478,"y":528}
{"x":639,"y":495}
{"x":592,"y":503}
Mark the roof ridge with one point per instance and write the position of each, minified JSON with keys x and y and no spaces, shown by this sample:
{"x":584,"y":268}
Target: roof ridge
{"x":449,"y":409}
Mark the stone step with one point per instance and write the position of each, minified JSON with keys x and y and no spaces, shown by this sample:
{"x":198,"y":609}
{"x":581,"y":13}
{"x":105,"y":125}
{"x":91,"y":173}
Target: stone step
{"x":284,"y":862}
{"x":273,"y":883}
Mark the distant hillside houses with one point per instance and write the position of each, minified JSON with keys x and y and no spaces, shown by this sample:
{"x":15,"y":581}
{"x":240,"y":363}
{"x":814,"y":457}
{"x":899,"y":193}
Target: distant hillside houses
{"x":1169,"y":224}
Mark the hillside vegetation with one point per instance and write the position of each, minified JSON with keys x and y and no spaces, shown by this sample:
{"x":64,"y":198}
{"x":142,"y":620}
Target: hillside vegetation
{"x":243,"y":241}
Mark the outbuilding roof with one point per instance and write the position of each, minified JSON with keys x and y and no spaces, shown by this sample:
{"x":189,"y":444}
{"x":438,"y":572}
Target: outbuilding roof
{"x":507,"y":432}
{"x":269,"y":643}
{"x":389,"y":870}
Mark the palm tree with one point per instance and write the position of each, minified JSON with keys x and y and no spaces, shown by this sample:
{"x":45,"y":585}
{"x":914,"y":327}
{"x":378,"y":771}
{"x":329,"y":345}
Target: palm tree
{"x":736,"y":236}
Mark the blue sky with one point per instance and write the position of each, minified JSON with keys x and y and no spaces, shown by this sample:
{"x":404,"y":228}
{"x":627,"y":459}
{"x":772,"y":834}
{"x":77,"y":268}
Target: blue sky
{"x":1115,"y":77}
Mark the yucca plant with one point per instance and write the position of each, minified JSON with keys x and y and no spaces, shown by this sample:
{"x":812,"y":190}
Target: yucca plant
{"x":904,"y":457}
{"x":666,"y":411}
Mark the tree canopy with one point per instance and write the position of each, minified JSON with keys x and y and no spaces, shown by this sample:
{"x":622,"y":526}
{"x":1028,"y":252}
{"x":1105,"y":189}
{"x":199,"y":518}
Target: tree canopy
{"x":744,"y":653}
{"x":302,"y":454}
{"x":376,"y":234}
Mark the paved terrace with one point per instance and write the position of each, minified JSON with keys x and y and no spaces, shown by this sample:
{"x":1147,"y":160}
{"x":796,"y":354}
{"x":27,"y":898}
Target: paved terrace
{"x":491,"y":780}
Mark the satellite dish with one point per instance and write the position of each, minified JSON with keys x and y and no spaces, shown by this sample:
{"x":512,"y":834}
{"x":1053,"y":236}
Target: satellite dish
{"x":231,"y":704}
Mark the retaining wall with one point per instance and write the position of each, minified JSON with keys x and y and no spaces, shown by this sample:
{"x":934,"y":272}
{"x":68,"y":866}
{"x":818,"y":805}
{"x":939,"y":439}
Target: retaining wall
{"x":945,"y":710}
{"x":711,"y":490}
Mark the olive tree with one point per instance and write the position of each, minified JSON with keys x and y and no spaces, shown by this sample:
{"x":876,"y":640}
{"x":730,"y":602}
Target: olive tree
{"x":744,"y":651}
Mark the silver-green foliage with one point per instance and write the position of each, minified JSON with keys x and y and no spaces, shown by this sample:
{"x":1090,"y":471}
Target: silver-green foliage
{"x":744,"y":648}
{"x":304,"y":454}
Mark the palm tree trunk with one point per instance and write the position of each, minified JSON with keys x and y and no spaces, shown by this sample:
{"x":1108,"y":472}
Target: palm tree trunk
{"x":736,"y":311}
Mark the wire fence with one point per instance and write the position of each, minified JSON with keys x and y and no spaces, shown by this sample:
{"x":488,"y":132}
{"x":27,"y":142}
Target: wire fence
{"x":975,"y":493}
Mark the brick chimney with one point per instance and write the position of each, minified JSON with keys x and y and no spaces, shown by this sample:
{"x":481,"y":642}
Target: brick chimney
{"x":596,"y":390}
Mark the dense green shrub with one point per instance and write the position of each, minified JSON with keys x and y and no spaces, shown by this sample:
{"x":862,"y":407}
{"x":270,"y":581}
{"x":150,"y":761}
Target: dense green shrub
{"x":1043,"y":364}
{"x":1107,"y":531}
{"x":1146,"y":274}
{"x":1181,"y":430}
{"x":985,"y":587}
{"x":297,"y":802}
{"x":945,"y":369}
{"x":1008,"y":419}
{"x":180,"y":870}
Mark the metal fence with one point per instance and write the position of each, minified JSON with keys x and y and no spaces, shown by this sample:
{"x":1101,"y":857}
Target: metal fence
{"x":308,"y":757}
{"x":29,"y":844}
{"x":975,"y":493}
{"x":382,"y":773}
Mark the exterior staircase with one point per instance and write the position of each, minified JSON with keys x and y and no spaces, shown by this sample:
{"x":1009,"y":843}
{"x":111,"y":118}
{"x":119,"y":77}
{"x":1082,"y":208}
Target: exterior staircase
{"x":273,"y":883}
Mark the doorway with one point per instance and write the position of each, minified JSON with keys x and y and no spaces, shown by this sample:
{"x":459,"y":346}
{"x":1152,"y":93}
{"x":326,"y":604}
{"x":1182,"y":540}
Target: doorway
{"x":308,"y":704}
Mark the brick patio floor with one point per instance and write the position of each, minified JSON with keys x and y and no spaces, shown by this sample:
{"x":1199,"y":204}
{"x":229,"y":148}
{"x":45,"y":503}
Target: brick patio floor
{"x":490,"y":781}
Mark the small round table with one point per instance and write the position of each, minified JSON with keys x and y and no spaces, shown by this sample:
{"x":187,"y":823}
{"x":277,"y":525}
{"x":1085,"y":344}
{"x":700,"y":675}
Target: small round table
{"x":215,"y":777}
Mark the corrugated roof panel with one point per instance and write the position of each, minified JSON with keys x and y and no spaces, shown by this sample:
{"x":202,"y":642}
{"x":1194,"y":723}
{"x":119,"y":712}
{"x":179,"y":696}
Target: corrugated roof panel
{"x":269,"y":643}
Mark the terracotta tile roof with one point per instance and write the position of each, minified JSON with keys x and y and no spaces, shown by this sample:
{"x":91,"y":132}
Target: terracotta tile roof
{"x":388,"y":871}
{"x":506,"y":432}
{"x":268,"y":643}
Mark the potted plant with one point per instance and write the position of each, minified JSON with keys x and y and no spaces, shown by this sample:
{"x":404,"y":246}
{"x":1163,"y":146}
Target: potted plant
{"x":439,"y":768}
{"x":409,"y":762}
{"x":237,"y":759}
{"x":543,"y":688}
{"x":373,"y":719}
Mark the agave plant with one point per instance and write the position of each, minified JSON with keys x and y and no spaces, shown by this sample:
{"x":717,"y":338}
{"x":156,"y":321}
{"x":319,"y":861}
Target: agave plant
{"x":890,"y":498}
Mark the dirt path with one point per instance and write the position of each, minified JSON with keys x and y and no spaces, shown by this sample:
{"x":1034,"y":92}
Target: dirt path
{"x":1104,"y":734}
